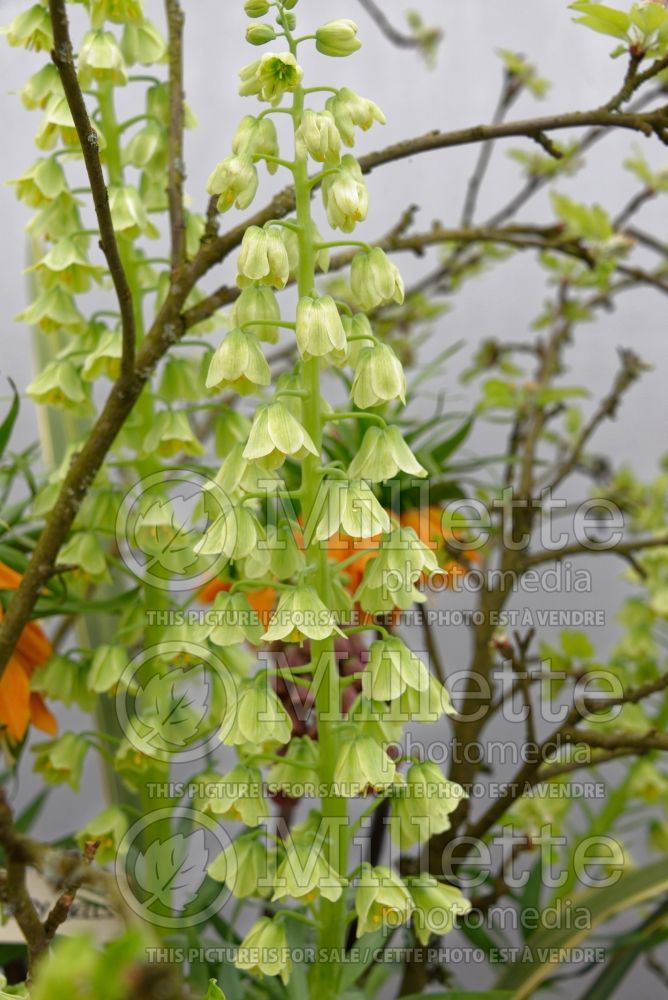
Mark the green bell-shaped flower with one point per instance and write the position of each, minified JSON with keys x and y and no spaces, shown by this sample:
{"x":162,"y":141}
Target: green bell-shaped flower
{"x":257,"y":137}
{"x":41,"y":87}
{"x":238,"y":364}
{"x":105,"y":358}
{"x":350,"y":507}
{"x":236,"y":621}
{"x":171,"y":434}
{"x":382,"y":455}
{"x":246,"y":867}
{"x":235,"y":181}
{"x":301,"y":614}
{"x":286,"y":558}
{"x":256,"y":311}
{"x":270,"y":77}
{"x":101,"y":60}
{"x":423,"y":706}
{"x":422,"y":806}
{"x":306,"y":874}
{"x":345,"y":195}
{"x":363,"y":766}
{"x":61,"y":761}
{"x":52,"y":311}
{"x":437,"y":906}
{"x":142,"y":43}
{"x":319,"y":137}
{"x":128,"y":213}
{"x":256,"y":717}
{"x":375,"y":280}
{"x":358,"y":334}
{"x":31,"y":29}
{"x":392,"y":668}
{"x":351,"y":111}
{"x":381,"y":899}
{"x":275,"y":435}
{"x":67,"y":265}
{"x":60,"y":384}
{"x":237,"y":795}
{"x":263,"y":258}
{"x":373,"y":718}
{"x":234,"y":534}
{"x":379,"y":378}
{"x":320,"y":333}
{"x":264,"y":951}
{"x":106,"y":668}
{"x":41,"y":183}
{"x":57,"y":125}
{"x":147,"y":149}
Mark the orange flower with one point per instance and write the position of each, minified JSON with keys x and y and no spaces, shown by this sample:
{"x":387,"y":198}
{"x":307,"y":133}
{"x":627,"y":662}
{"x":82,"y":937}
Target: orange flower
{"x":18,"y":704}
{"x":427,"y":523}
{"x":261,"y":601}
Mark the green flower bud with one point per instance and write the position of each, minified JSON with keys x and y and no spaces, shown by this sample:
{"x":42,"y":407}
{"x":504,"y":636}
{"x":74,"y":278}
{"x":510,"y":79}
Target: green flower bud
{"x":108,"y":829}
{"x":297,"y":767}
{"x":264,"y":950}
{"x":66,"y":264}
{"x":382,"y":455}
{"x":256,"y":717}
{"x":61,"y":760}
{"x":381,"y":899}
{"x":171,"y":434}
{"x":57,"y":124}
{"x":437,"y":906}
{"x":128,"y":213}
{"x":235,"y":180}
{"x":275,"y":435}
{"x":350,"y":110}
{"x":351,"y":507}
{"x":31,"y":29}
{"x":289,"y":4}
{"x":105,"y":358}
{"x":147,"y":149}
{"x":246,"y":866}
{"x":40,"y":87}
{"x":305,"y":874}
{"x":320,"y":333}
{"x":270,"y":77}
{"x":40,"y":183}
{"x":234,"y":534}
{"x":100,"y":59}
{"x":236,"y":621}
{"x":60,"y":384}
{"x":106,"y":667}
{"x":391,"y":669}
{"x":142,"y":43}
{"x":257,"y":303}
{"x":52,"y":311}
{"x":256,"y":8}
{"x":337,"y":38}
{"x":379,"y":378}
{"x":263,"y":258}
{"x":424,"y":804}
{"x":375,"y":280}
{"x":345,"y":196}
{"x":257,"y":137}
{"x":318,"y":136}
{"x":363,"y":766}
{"x":238,"y":364}
{"x":260,"y":34}
{"x":238,"y":795}
{"x":301,"y":614}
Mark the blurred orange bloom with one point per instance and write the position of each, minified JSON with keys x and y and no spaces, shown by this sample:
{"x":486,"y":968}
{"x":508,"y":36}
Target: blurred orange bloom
{"x":20,"y":706}
{"x":262,"y":601}
{"x":427,"y":523}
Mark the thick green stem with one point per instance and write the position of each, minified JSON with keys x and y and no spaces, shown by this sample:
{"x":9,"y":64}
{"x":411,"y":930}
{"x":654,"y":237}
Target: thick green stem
{"x":334,"y":808}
